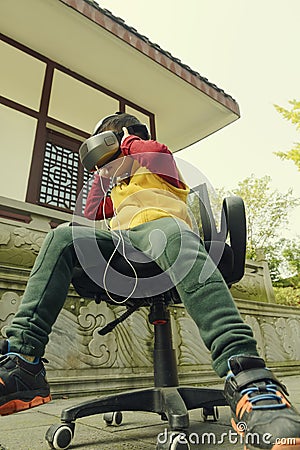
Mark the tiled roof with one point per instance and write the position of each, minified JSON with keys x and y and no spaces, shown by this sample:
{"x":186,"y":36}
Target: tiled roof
{"x":118,"y":27}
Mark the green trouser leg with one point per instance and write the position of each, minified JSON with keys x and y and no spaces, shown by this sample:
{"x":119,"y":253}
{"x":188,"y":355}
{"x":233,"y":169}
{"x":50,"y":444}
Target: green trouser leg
{"x":47,"y":288}
{"x":176,"y":249}
{"x":200,"y":286}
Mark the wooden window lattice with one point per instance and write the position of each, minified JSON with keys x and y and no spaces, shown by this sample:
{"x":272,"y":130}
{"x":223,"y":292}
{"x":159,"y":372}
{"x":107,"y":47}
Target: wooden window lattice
{"x":64,"y":182}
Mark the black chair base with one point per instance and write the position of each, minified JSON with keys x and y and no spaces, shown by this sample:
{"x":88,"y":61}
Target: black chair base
{"x":171,"y":401}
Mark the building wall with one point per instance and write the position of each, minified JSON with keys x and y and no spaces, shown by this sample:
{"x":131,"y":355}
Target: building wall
{"x":40,"y":96}
{"x":16,"y":145}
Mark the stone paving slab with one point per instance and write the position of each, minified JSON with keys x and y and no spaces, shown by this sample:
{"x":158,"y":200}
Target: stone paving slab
{"x":138,"y":431}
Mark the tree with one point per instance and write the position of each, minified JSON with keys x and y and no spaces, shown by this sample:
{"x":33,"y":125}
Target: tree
{"x":267,"y":212}
{"x":293,"y":115}
{"x":284,"y":261}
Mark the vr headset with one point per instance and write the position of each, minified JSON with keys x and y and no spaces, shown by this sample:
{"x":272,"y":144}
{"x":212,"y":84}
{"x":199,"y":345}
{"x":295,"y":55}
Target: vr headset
{"x":101,"y":148}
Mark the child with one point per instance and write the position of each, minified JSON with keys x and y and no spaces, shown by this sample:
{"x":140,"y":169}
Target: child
{"x":147,"y":203}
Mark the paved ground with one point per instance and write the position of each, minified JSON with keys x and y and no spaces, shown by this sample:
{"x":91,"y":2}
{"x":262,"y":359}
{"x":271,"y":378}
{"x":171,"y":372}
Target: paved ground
{"x":139,"y":431}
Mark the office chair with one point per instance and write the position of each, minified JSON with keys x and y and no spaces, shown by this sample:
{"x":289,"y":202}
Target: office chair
{"x":171,"y":401}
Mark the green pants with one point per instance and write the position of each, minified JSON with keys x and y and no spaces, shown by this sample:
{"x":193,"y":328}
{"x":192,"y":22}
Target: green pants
{"x":176,"y":250}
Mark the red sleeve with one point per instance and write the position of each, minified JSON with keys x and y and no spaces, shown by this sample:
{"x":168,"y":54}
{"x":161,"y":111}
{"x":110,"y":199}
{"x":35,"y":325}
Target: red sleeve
{"x":153,"y":155}
{"x":95,"y":200}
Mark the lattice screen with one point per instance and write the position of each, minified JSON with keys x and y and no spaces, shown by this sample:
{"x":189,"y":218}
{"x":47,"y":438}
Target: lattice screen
{"x":63,"y":176}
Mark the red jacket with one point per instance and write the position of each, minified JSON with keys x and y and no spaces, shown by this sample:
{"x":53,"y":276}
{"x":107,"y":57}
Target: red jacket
{"x":147,"y":154}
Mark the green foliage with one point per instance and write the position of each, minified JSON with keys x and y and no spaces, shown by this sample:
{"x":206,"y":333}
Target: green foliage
{"x":291,"y":253}
{"x":267,"y":213}
{"x":293,"y":282}
{"x":293,"y":116}
{"x":288,"y":296}
{"x":193,"y":203}
{"x":287,"y":290}
{"x":283,"y":258}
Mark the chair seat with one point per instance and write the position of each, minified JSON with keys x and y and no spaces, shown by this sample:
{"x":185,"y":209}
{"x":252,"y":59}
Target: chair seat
{"x":220,"y":253}
{"x":152,"y":280}
{"x":223,"y":256}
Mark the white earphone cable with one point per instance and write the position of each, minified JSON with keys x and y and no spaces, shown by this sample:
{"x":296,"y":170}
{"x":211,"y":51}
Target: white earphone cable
{"x":120,"y":240}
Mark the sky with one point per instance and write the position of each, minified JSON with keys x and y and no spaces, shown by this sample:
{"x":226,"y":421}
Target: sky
{"x":250,"y":49}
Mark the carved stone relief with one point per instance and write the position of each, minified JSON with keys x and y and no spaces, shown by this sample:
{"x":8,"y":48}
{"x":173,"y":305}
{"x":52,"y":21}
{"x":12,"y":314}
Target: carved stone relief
{"x":29,"y":239}
{"x":129,"y":345}
{"x":256,"y":284}
{"x":192,"y":348}
{"x":282,"y":339}
{"x":9,"y":303}
{"x":76,"y":344}
{"x":248,"y":289}
{"x":258,"y":334}
{"x":141,"y":335}
{"x":19,"y":246}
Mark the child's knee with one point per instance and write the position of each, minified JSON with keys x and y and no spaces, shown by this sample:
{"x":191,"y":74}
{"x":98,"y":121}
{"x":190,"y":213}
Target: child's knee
{"x":62,"y":234}
{"x":175,"y":227}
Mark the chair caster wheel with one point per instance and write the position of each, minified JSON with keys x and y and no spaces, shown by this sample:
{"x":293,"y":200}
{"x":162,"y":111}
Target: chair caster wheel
{"x":212,"y":412}
{"x":113,"y":418}
{"x":60,"y":436}
{"x":174,"y":441}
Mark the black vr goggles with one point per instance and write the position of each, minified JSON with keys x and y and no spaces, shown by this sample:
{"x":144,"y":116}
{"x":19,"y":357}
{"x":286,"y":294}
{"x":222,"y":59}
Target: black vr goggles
{"x":101,"y":148}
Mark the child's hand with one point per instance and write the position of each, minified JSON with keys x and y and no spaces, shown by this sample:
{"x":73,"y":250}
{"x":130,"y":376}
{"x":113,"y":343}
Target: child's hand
{"x":102,"y":172}
{"x":126,"y":134}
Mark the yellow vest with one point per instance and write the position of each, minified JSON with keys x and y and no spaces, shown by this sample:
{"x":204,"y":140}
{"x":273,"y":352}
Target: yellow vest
{"x":144,"y":197}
